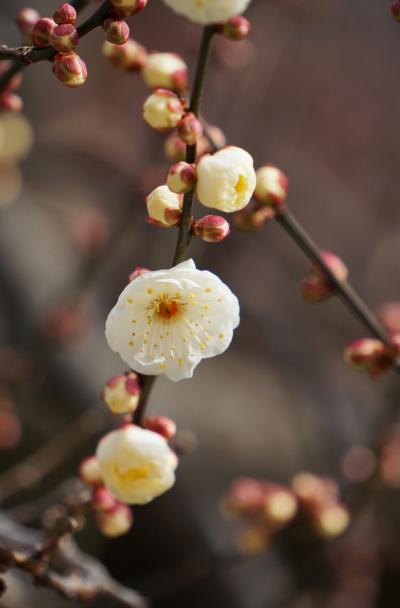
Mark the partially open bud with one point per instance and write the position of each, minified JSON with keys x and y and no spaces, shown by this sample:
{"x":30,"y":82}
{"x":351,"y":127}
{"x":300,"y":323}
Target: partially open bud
{"x":116,"y":31}
{"x":395,"y":8}
{"x":122,"y":393}
{"x":368,"y":355}
{"x":70,"y":69}
{"x":11,"y":102}
{"x":271,"y":187}
{"x":181,"y":178}
{"x":190,"y":129}
{"x":130,"y":56}
{"x":115,"y":522}
{"x":26,"y":21}
{"x":102,"y":499}
{"x":65,"y":13}
{"x":89,"y":471}
{"x":317,"y":286}
{"x":138,"y":272}
{"x":163,"y":110}
{"x":236,"y":28}
{"x":211,"y":228}
{"x":42,"y":31}
{"x":128,"y":7}
{"x":166,"y":71}
{"x":64,"y":38}
{"x":162,"y":425}
{"x":164,"y":207}
{"x":174,"y":148}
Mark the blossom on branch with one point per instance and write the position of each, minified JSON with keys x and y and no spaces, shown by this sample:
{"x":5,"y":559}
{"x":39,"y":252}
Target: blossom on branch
{"x":208,"y":11}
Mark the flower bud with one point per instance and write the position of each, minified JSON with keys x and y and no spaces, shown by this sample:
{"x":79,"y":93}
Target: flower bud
{"x":70,"y":69}
{"x":190,"y":129}
{"x":280,"y":505}
{"x":313,"y":490}
{"x":332,"y":520}
{"x":174,"y":148}
{"x":128,"y":7}
{"x":130,"y":56}
{"x":395,"y":8}
{"x":122,"y":393}
{"x":64,"y":38}
{"x":253,"y":219}
{"x":211,"y":228}
{"x":393,"y":347}
{"x":102,"y":499}
{"x":181,"y":178}
{"x":162,"y":425}
{"x":65,"y":14}
{"x":368,"y":355}
{"x":236,"y":28}
{"x":116,"y":31}
{"x":138,"y":272}
{"x":42,"y":31}
{"x":389,"y":316}
{"x":164,"y":207}
{"x":390,"y":458}
{"x":244,"y":497}
{"x":89,"y":471}
{"x":163,"y":110}
{"x":11,"y":102}
{"x":317,"y":286}
{"x":166,"y":71}
{"x":26,"y":21}
{"x":271,"y":186}
{"x":115,"y":522}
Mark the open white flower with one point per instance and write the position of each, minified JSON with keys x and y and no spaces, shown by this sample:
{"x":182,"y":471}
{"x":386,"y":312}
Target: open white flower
{"x":166,"y":321}
{"x":226,"y":180}
{"x":208,"y":11}
{"x":136,"y":465}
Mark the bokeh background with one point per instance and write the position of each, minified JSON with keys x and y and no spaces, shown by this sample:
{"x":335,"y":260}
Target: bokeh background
{"x":315,"y":90}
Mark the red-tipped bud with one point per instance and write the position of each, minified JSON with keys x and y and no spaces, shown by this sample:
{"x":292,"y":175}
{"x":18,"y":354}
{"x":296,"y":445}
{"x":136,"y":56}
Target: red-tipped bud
{"x":190,"y":129}
{"x":174,"y":148}
{"x":128,"y":8}
{"x":65,"y":13}
{"x":237,"y":28}
{"x":181,"y":178}
{"x":368,"y":355}
{"x":163,"y":110}
{"x":102,"y":499}
{"x":11,"y":102}
{"x":26,"y":21}
{"x":138,"y":272}
{"x":64,"y":38}
{"x":271,"y":187}
{"x":42,"y":31}
{"x":130,"y":56}
{"x":116,"y":31}
{"x":70,"y":69}
{"x":164,"y":207}
{"x":162,"y":425}
{"x":316,"y":286}
{"x":165,"y":70}
{"x":89,"y":471}
{"x":395,"y":8}
{"x":122,"y":393}
{"x":211,"y":228}
{"x":116,"y":522}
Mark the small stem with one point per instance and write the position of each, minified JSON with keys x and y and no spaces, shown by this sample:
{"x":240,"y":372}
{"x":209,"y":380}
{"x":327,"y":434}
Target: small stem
{"x":147,"y":386}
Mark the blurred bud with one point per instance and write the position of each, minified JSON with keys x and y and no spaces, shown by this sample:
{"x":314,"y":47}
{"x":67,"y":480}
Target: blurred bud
{"x":359,"y":463}
{"x":64,"y":322}
{"x":64,"y":38}
{"x":395,"y":8}
{"x":42,"y":31}
{"x":245,"y":497}
{"x":317,"y":287}
{"x":102,"y":499}
{"x":211,"y":228}
{"x":90,"y":232}
{"x":215,"y":140}
{"x":26,"y":21}
{"x":16,"y":138}
{"x":15,"y":82}
{"x":138,"y":272}
{"x":11,"y":183}
{"x":70,"y":69}
{"x":166,"y":71}
{"x":10,"y":429}
{"x":332,"y":520}
{"x":389,"y":316}
{"x":190,"y":129}
{"x":164,"y":207}
{"x":253,"y":541}
{"x":89,"y":471}
{"x":271,"y":187}
{"x":130,"y":56}
{"x":314,"y":490}
{"x":237,"y":28}
{"x":122,"y":393}
{"x":181,"y":178}
{"x":174,"y":148}
{"x":128,"y":8}
{"x":65,"y":14}
{"x":253,"y":218}
{"x":368,"y":355}
{"x":390,"y":458}
{"x":162,"y":110}
{"x":280,"y":504}
{"x":116,"y":31}
{"x":162,"y":425}
{"x":116,"y":522}
{"x":11,"y":102}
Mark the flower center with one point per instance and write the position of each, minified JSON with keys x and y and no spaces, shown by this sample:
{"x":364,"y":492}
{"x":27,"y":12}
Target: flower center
{"x":168,"y":307}
{"x":241,"y":184}
{"x":132,"y":475}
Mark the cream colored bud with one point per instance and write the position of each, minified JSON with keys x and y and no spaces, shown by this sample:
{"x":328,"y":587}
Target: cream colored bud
{"x":164,"y":206}
{"x":165,"y":70}
{"x":162,"y":110}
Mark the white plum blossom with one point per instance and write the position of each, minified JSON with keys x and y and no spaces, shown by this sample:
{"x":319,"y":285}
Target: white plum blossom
{"x":226,"y":180}
{"x":208,"y":11}
{"x":166,"y":321}
{"x":136,"y":465}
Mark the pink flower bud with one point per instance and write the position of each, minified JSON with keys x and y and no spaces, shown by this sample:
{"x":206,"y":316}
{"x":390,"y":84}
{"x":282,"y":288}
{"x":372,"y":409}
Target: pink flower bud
{"x":174,"y":148}
{"x":272,"y":186}
{"x":128,"y":7}
{"x":89,"y":471}
{"x":116,"y":31}
{"x":64,"y":38}
{"x":162,"y":425}
{"x":42,"y":31}
{"x":65,"y":13}
{"x":11,"y":102}
{"x":26,"y":21}
{"x":190,"y":129}
{"x":70,"y":69}
{"x":211,"y":228}
{"x":181,"y":178}
{"x":316,"y":286}
{"x":130,"y":56}
{"x":138,"y":272}
{"x":395,"y":8}
{"x":122,"y":392}
{"x":244,"y":497}
{"x":368,"y":355}
{"x":102,"y":499}
{"x":115,"y":522}
{"x":237,"y":28}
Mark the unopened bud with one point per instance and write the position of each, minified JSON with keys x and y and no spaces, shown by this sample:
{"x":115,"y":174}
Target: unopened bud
{"x":317,"y":286}
{"x":138,"y":272}
{"x":174,"y":148}
{"x":332,"y":520}
{"x":211,"y":228}
{"x":181,"y":178}
{"x":42,"y":31}
{"x":390,"y":458}
{"x":244,"y":497}
{"x":166,"y":71}
{"x":164,"y":207}
{"x":313,"y":490}
{"x":116,"y":31}
{"x":162,"y":425}
{"x":11,"y":102}
{"x":190,"y":129}
{"x":122,"y":393}
{"x":393,"y":347}
{"x":89,"y":471}
{"x":116,"y":522}
{"x":271,"y":187}
{"x":395,"y":8}
{"x":102,"y":499}
{"x":163,"y":110}
{"x":280,"y":505}
{"x":64,"y":38}
{"x":253,"y":218}
{"x":26,"y":21}
{"x":389,"y":316}
{"x":128,"y":7}
{"x":368,"y":355}
{"x":130,"y":56}
{"x":237,"y":28}
{"x":65,"y":13}
{"x":70,"y":69}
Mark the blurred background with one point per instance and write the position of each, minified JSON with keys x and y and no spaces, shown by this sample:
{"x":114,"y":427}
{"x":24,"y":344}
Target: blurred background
{"x":315,"y":91}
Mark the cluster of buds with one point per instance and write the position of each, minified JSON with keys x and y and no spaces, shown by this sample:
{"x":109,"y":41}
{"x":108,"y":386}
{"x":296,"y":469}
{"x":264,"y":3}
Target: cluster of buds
{"x":373,"y":356}
{"x":317,"y":285}
{"x":122,"y":393}
{"x":9,"y":100}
